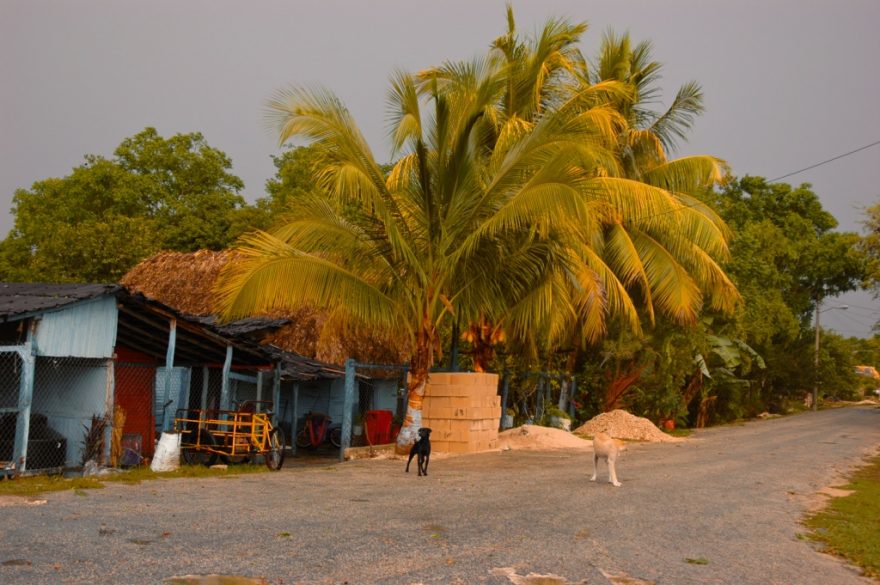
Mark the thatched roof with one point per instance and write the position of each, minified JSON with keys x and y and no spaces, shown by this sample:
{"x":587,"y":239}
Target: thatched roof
{"x":185,"y":281}
{"x":178,"y":279}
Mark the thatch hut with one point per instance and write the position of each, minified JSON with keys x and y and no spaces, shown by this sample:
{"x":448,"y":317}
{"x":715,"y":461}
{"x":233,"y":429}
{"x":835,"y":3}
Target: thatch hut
{"x":185,"y":282}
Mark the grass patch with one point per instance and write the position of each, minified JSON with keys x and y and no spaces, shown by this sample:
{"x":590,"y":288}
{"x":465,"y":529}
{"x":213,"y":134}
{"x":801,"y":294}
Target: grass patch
{"x":41,"y":484}
{"x":679,"y":432}
{"x":849,"y":526}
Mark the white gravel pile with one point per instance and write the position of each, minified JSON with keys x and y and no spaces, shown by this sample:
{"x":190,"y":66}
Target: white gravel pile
{"x":536,"y":438}
{"x":622,"y":425}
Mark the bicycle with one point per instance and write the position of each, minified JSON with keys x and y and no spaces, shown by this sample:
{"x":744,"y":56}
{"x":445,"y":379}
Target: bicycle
{"x":234,"y":435}
{"x":317,"y":430}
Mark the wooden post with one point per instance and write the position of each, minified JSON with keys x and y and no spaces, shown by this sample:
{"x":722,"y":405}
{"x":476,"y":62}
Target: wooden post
{"x":169,"y":367}
{"x":206,"y":373}
{"x":539,"y":398}
{"x":25,"y":399}
{"x":109,"y":409}
{"x":505,"y":391}
{"x":294,"y":415}
{"x":224,"y":388}
{"x":276,"y":393}
{"x":347,"y":404}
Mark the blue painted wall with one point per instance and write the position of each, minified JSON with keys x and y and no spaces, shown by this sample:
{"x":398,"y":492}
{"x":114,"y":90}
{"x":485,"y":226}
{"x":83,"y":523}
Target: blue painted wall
{"x":69,"y":392}
{"x":86,"y":329}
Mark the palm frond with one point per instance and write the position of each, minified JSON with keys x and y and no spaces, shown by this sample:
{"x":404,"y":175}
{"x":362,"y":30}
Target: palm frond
{"x":258,"y":281}
{"x":674,"y":291}
{"x":687,"y":174}
{"x":674,"y":124}
{"x":404,"y":121}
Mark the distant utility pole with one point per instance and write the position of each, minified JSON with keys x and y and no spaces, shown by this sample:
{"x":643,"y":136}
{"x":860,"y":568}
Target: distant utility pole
{"x":816,"y":353}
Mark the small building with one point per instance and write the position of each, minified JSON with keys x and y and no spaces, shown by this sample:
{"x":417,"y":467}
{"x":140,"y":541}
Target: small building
{"x":72,"y":353}
{"x":185,"y":281}
{"x":867,"y":372}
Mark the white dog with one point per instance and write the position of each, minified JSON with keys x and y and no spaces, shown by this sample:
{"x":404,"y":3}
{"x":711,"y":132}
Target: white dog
{"x":608,"y":449}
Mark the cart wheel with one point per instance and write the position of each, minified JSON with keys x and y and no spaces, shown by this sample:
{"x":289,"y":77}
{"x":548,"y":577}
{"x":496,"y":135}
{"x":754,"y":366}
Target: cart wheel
{"x":303,"y":440}
{"x":275,"y":454}
{"x":336,"y":436}
{"x":194,"y":456}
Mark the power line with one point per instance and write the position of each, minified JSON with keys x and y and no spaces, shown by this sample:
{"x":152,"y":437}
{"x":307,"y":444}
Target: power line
{"x":819,"y":164}
{"x":861,"y":329}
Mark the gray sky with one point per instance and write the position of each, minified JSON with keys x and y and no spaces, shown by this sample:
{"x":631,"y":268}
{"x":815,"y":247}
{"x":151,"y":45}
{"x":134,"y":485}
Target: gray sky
{"x":788,"y":83}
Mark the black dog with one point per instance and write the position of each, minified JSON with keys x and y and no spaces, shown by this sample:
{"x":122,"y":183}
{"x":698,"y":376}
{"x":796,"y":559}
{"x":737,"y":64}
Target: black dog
{"x":422,"y":448}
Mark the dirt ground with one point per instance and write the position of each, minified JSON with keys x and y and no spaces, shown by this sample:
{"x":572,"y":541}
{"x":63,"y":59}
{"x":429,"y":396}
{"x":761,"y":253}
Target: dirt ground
{"x":721,"y":507}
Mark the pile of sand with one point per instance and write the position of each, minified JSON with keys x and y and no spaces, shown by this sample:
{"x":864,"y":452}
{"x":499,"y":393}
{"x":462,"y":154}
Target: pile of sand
{"x":622,"y":425}
{"x":535,"y":438}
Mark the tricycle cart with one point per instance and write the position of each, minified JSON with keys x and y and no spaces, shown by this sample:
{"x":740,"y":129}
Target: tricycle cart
{"x":234,"y":435}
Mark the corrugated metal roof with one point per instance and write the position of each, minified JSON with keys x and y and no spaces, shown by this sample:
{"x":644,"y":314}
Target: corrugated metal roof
{"x":248,"y":326}
{"x":294,"y":364}
{"x":20,"y":299}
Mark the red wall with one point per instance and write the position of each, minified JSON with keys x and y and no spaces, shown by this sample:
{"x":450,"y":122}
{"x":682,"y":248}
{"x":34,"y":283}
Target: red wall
{"x":134,"y":393}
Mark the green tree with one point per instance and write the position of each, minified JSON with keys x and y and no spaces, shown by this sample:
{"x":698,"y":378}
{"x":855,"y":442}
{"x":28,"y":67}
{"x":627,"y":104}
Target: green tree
{"x":293,"y":178}
{"x":871,"y":246}
{"x":292,"y":181}
{"x":785,"y":249}
{"x":789,"y":243}
{"x":107,"y":215}
{"x":194,"y":196}
{"x":785,"y":256}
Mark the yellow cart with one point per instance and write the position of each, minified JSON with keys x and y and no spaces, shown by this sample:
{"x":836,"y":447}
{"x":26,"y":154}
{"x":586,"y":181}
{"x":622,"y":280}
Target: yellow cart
{"x":234,"y":435}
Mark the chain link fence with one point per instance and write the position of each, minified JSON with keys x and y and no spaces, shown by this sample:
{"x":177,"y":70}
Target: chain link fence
{"x":112,"y":411}
{"x":376,"y":414}
{"x":66,"y":410}
{"x":10,"y":382}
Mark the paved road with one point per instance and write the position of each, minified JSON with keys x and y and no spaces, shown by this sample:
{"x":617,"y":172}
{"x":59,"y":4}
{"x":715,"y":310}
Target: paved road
{"x":731,"y":497}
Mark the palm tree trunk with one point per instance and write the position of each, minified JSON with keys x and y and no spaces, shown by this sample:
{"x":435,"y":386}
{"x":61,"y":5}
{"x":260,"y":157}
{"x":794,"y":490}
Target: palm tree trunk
{"x":703,"y":414}
{"x":418,"y":381}
{"x":621,"y":382}
{"x":420,"y":365}
{"x":693,"y":387}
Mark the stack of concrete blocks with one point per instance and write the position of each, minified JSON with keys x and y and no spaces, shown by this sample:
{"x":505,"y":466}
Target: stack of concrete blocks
{"x":463,"y":411}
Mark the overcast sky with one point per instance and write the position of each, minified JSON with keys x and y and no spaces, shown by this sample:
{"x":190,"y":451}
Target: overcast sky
{"x":787,"y":83}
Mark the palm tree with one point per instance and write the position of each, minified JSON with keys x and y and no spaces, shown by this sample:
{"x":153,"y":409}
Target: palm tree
{"x":670,"y":257}
{"x":643,"y":148}
{"x":456,"y":227}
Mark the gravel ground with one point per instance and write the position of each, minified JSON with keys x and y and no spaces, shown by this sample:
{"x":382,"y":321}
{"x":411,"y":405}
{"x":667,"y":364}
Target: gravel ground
{"x":730,"y":499}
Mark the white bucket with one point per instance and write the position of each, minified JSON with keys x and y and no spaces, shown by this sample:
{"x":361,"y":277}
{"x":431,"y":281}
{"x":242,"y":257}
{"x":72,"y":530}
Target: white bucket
{"x":167,"y":456}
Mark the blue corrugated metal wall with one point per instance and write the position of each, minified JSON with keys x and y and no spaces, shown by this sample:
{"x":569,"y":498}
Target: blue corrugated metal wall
{"x":86,"y":330}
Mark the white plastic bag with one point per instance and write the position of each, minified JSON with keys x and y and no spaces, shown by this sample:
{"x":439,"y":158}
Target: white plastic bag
{"x":167,"y":456}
